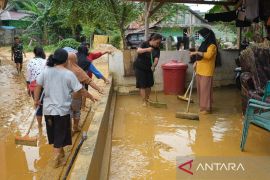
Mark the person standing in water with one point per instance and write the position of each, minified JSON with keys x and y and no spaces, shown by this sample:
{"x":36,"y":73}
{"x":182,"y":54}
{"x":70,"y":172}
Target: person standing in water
{"x":58,"y":83}
{"x":205,"y":67}
{"x":17,"y":54}
{"x":145,"y":64}
{"x":34,"y":67}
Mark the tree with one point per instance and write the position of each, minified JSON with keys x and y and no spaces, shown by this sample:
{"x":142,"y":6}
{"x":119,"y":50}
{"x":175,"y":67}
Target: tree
{"x":40,"y":15}
{"x":105,"y":15}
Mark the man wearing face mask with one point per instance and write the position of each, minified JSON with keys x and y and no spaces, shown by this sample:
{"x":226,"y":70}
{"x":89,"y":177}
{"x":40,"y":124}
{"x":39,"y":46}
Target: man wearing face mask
{"x":205,"y":67}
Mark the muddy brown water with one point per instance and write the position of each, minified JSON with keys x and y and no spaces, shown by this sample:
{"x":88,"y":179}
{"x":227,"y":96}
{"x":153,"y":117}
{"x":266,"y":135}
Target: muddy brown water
{"x":147,"y":141}
{"x":17,"y":161}
{"x":15,"y":108}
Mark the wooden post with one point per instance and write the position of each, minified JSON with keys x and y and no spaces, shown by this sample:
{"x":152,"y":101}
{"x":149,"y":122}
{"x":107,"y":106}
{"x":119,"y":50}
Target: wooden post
{"x":147,"y":10}
{"x":146,"y":21}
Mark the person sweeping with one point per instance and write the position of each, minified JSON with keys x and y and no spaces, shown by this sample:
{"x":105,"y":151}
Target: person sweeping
{"x":143,"y":66}
{"x":204,"y":68}
{"x":58,"y":83}
{"x":34,"y":67}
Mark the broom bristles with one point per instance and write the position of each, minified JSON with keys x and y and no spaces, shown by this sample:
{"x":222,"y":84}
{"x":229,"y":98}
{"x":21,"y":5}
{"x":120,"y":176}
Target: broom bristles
{"x":26,"y":140}
{"x":157,"y":104}
{"x":183,"y":98}
{"x":187,"y":115}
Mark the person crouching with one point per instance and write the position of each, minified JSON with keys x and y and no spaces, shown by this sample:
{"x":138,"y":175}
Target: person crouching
{"x":58,"y":84}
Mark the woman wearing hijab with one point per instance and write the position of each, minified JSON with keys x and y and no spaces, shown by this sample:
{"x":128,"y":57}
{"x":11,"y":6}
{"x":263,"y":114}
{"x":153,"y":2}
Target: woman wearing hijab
{"x":205,"y":67}
{"x":84,"y":64}
{"x":145,"y":64}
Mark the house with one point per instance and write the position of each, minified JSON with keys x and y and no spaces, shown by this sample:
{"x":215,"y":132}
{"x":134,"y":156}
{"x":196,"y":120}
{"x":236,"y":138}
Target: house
{"x":12,"y":24}
{"x":177,"y":27}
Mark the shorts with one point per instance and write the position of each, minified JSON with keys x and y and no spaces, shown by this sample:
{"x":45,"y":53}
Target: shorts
{"x":18,"y":60}
{"x":144,"y":79}
{"x":86,"y":86}
{"x":76,"y":108}
{"x":40,"y":108}
{"x":58,"y":130}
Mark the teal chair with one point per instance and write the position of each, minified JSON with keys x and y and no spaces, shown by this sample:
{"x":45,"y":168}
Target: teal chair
{"x":257,"y":113}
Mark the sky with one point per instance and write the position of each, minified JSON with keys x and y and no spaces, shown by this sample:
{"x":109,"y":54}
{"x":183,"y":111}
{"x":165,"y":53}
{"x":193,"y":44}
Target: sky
{"x":200,"y":7}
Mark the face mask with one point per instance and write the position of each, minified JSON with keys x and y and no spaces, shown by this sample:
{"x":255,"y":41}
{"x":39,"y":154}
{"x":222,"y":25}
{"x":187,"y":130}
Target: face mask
{"x":201,"y":38}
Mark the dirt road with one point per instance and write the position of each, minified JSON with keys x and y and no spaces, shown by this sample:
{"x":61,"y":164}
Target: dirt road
{"x":22,"y":162}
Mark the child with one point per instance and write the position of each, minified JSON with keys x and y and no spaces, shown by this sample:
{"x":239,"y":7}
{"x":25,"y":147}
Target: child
{"x":17,"y":54}
{"x":58,"y":84}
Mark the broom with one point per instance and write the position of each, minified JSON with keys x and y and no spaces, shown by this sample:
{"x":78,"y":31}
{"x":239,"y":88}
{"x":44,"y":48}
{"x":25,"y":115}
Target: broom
{"x":26,"y":140}
{"x":185,"y":98}
{"x":187,"y":114}
{"x":156,"y":103}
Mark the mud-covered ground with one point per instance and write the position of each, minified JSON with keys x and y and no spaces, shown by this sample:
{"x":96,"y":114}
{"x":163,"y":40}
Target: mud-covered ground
{"x":16,"y":112}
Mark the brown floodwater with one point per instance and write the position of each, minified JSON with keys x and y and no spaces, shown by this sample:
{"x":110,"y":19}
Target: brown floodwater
{"x":147,"y":141}
{"x":16,"y":110}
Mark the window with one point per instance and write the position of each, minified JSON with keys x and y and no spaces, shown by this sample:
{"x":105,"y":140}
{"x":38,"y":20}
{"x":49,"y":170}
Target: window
{"x":134,"y":37}
{"x":196,"y":35}
{"x":141,"y":37}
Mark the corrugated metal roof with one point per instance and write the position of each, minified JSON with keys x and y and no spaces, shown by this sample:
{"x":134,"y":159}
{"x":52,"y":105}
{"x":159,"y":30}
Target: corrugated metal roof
{"x":12,"y":15}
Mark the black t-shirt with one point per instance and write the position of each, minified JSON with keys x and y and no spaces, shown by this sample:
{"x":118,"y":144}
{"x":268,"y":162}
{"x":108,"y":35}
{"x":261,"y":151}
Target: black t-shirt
{"x":143,"y":61}
{"x":17,"y":50}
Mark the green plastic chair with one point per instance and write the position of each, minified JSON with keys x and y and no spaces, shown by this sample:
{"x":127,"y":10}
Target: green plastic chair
{"x":257,"y":113}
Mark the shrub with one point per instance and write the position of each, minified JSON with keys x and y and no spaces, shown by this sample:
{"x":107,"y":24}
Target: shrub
{"x":69,"y":42}
{"x":115,"y":40}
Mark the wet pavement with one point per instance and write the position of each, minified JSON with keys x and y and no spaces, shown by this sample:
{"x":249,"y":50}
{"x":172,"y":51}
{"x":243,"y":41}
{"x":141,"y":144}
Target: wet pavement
{"x":147,"y":141}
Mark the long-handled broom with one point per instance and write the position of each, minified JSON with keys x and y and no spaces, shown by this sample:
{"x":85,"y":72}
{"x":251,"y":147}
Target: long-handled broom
{"x":26,"y":140}
{"x":156,"y":103}
{"x":187,"y":114}
{"x":185,"y":98}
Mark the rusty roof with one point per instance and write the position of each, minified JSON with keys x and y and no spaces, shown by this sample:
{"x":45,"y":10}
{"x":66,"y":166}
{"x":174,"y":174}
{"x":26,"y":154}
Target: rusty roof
{"x":3,"y":4}
{"x":214,"y":2}
{"x":12,"y":15}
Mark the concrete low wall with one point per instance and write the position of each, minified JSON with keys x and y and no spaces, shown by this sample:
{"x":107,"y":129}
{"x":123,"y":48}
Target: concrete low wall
{"x":224,"y":75}
{"x":95,"y":150}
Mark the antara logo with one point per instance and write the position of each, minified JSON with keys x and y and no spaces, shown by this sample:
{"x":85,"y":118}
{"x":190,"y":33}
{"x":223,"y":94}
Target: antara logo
{"x":214,"y":166}
{"x":181,"y":167}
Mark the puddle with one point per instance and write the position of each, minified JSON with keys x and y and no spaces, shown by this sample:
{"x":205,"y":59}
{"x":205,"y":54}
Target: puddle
{"x":147,"y":141}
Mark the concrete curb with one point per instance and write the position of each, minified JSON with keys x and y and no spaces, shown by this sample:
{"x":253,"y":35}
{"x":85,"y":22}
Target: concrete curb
{"x":88,"y":164}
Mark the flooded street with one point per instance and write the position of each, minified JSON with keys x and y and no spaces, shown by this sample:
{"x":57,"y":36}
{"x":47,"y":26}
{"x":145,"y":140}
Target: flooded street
{"x":147,"y":141}
{"x":16,"y":110}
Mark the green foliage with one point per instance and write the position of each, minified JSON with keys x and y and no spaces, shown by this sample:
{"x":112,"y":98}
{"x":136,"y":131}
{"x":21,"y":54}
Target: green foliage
{"x":69,"y":42}
{"x":102,"y":16}
{"x":216,"y":9}
{"x":50,"y":48}
{"x":115,"y":40}
{"x":168,"y":10}
{"x":249,"y":35}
